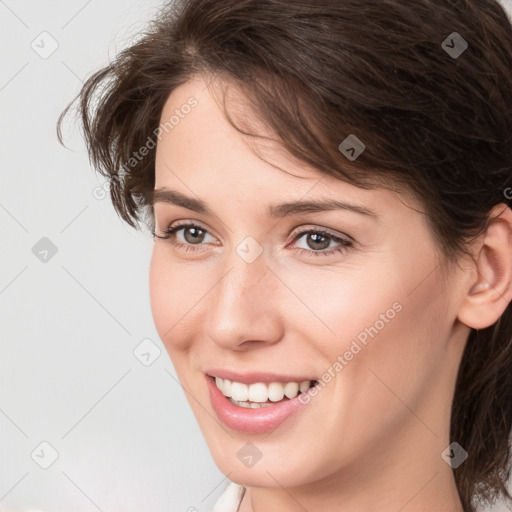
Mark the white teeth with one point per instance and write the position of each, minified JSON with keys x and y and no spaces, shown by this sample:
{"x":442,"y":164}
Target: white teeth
{"x":249,"y":405}
{"x":291,"y":389}
{"x":257,"y":392}
{"x":227,"y":388}
{"x":239,"y":391}
{"x":260,"y":392}
{"x":275,"y":392}
{"x":304,"y":386}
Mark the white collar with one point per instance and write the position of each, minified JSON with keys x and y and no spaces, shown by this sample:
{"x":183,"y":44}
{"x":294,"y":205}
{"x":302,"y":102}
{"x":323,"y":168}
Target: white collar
{"x":230,"y":499}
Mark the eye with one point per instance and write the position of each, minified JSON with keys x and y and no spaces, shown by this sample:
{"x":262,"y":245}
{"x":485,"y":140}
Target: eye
{"x":318,"y":237}
{"x":195,"y":234}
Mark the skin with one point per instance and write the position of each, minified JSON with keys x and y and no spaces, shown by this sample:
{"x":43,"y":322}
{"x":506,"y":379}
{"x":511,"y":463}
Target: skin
{"x":372,"y":439}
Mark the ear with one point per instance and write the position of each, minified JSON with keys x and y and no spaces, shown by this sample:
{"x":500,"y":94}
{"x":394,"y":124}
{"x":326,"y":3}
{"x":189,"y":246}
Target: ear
{"x":489,"y":288}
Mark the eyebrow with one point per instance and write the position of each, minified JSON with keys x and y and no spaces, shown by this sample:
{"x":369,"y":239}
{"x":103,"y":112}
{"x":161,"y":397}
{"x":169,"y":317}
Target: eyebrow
{"x":163,"y":195}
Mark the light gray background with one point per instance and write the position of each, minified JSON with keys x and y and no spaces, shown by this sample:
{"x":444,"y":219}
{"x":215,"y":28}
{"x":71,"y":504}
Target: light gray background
{"x":124,"y":433}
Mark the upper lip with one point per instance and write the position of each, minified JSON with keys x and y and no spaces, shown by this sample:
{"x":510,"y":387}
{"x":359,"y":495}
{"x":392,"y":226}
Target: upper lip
{"x":253,"y":377}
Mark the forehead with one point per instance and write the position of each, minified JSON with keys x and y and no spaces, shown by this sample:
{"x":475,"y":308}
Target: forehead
{"x":203,"y":155}
{"x":202,"y":133}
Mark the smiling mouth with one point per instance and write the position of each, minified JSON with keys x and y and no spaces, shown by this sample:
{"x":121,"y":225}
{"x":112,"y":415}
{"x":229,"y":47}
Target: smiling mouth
{"x":260,"y":394}
{"x":270,"y":399}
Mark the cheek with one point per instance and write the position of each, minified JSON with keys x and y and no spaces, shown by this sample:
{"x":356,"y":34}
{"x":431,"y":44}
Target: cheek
{"x":401,"y":359}
{"x":171,"y":294}
{"x":346,"y":304}
{"x":390,"y":318}
{"x":157,"y":287}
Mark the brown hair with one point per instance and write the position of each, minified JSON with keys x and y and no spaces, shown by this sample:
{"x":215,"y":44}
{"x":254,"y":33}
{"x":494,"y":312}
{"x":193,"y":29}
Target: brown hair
{"x":387,"y":71}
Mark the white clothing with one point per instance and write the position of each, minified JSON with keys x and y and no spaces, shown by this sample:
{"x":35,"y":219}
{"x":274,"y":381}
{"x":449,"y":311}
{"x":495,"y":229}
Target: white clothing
{"x":230,"y":499}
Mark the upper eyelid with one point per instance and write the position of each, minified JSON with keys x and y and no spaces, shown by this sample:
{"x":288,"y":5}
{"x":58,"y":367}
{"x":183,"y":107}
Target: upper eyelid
{"x":188,"y":223}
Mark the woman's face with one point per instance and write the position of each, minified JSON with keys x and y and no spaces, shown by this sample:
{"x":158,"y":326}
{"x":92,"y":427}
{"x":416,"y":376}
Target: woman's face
{"x":250,"y":294}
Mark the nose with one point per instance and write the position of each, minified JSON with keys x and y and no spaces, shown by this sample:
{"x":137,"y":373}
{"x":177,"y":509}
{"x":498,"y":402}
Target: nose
{"x":244,"y":309}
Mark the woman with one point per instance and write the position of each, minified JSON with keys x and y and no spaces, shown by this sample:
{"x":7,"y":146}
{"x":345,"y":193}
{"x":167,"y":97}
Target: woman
{"x":329,"y":186}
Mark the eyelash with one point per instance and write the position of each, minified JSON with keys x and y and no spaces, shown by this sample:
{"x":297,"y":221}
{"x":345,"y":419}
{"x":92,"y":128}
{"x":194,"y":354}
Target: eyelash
{"x":344,"y":244}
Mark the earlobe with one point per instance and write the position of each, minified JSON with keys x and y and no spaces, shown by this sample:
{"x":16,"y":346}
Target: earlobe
{"x":490,"y":292}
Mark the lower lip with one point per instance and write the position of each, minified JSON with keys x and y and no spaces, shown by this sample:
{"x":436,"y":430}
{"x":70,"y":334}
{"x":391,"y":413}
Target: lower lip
{"x":251,"y":420}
